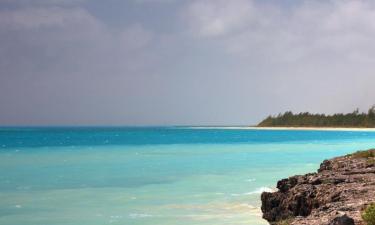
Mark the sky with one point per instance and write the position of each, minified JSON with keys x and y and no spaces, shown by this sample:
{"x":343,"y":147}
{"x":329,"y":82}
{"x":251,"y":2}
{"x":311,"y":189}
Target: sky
{"x":182,"y":62}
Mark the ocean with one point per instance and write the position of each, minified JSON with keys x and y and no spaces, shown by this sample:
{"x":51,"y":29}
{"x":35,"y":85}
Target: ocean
{"x":156,"y":175}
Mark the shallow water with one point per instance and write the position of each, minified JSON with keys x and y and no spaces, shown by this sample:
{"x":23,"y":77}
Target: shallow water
{"x":158,"y":176}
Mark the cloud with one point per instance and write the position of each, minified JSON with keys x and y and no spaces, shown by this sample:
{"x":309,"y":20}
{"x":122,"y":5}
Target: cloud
{"x":309,"y":28}
{"x":309,"y":46}
{"x":136,"y":37}
{"x":236,"y":61}
{"x":215,"y":18}
{"x":69,"y":33}
{"x":47,"y":18}
{"x":54,"y":57}
{"x":42,"y":2}
{"x":44,"y":40}
{"x":154,"y":1}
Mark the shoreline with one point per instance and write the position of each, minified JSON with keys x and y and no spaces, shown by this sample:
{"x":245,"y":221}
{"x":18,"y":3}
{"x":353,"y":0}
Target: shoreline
{"x":316,"y":128}
{"x":286,"y":128}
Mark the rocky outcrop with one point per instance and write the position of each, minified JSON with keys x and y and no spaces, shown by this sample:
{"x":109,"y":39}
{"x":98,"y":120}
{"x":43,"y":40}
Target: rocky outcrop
{"x":335,"y":195}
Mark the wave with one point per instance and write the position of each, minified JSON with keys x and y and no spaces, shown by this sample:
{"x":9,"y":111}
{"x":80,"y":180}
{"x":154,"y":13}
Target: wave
{"x":261,"y":190}
{"x":139,"y":215}
{"x":256,"y":191}
{"x":251,"y":180}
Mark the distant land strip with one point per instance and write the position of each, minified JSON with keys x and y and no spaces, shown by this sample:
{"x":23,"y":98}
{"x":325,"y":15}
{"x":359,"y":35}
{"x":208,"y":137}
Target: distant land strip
{"x":306,"y":119}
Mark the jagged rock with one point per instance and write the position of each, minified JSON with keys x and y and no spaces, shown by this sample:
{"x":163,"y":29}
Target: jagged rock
{"x":334,"y":195}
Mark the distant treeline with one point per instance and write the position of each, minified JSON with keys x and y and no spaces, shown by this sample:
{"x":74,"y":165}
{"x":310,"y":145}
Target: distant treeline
{"x":354,"y":119}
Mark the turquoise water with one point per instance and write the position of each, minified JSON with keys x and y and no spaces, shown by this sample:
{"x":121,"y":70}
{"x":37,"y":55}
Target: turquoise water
{"x":153,"y":176}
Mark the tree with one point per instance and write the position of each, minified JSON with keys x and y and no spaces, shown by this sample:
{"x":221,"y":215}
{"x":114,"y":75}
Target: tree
{"x":354,"y":119}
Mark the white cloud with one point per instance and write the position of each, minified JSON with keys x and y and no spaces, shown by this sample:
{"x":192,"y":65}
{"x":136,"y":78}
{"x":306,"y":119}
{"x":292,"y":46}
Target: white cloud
{"x":308,"y":28}
{"x":218,"y":17}
{"x":323,"y":49}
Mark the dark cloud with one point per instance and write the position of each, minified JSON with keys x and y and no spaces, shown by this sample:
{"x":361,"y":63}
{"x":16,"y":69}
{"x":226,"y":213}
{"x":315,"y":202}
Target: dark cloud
{"x":224,"y":62}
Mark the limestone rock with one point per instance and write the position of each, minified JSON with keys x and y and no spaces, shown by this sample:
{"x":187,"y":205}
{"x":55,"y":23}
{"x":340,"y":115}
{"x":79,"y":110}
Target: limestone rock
{"x":335,"y":195}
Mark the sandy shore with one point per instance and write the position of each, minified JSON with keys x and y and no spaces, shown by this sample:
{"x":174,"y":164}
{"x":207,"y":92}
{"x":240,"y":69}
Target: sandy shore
{"x":287,"y":128}
{"x":315,"y":128}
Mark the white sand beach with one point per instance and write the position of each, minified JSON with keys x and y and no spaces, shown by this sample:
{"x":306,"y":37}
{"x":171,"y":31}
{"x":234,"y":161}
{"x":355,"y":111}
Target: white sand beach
{"x":286,"y":128}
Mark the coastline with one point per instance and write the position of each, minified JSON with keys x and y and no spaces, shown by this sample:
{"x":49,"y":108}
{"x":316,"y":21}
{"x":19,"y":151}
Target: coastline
{"x":285,"y":128}
{"x":316,"y":128}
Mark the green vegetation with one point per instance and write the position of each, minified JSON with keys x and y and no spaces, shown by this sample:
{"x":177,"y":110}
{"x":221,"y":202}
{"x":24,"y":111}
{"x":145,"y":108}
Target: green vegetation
{"x":364,"y":154}
{"x":289,"y":119}
{"x":369,"y":155}
{"x":369,"y":214}
{"x":370,"y":162}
